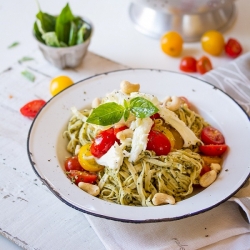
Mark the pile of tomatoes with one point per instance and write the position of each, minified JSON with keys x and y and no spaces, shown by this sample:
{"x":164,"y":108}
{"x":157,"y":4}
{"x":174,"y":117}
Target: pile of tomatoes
{"x":212,"y":42}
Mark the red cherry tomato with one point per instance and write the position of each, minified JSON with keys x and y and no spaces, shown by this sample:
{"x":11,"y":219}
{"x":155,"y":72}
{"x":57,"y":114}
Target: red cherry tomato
{"x":158,"y":143}
{"x":155,"y":116}
{"x":32,"y":108}
{"x":205,"y":169}
{"x":213,"y":150}
{"x":188,"y":64}
{"x":210,"y":135}
{"x":185,"y":100}
{"x":103,"y":142}
{"x":233,"y":48}
{"x":204,"y":65}
{"x":72,"y":163}
{"x":81,"y":176}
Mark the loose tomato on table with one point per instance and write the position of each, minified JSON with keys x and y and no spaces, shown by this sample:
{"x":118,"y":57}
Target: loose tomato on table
{"x":204,"y":65}
{"x":233,"y":48}
{"x":188,"y":64}
{"x":213,"y":42}
{"x":85,"y":160}
{"x":158,"y":143}
{"x":103,"y":142}
{"x":59,"y":83}
{"x":72,"y":163}
{"x":171,"y":43}
{"x":32,"y":108}
{"x":213,"y":150}
{"x":210,"y":135}
{"x":81,"y":176}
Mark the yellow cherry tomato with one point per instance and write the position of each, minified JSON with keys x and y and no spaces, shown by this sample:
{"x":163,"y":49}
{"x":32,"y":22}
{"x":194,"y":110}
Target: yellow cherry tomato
{"x":167,"y":133}
{"x":59,"y":83}
{"x":86,"y":161}
{"x":213,"y":42}
{"x":171,"y":43}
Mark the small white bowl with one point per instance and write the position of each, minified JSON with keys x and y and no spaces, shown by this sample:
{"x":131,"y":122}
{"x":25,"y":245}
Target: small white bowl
{"x":66,"y":57}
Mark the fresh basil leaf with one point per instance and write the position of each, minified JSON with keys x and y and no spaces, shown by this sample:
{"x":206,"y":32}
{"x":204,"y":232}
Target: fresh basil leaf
{"x":50,"y":39}
{"x":106,"y":114}
{"x":63,"y":22}
{"x":13,"y":45}
{"x":80,"y":34}
{"x":28,"y":75}
{"x":72,"y":34}
{"x":37,"y":32}
{"x":126,"y":114}
{"x":48,"y":22}
{"x":142,"y":108}
{"x":25,"y":59}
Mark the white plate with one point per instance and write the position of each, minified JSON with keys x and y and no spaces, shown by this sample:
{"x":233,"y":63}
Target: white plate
{"x":47,"y":147}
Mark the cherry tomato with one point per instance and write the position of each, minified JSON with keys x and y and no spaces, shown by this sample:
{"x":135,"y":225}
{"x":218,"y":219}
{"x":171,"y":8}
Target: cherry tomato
{"x":188,"y":64}
{"x":213,"y":150}
{"x":32,"y":108}
{"x":210,"y":135}
{"x":204,"y":65}
{"x":185,"y":100}
{"x":158,"y":143}
{"x":155,"y":116}
{"x":103,"y":142}
{"x":85,"y":161}
{"x":213,"y":42}
{"x":59,"y":83}
{"x":166,"y":132}
{"x":72,"y":163}
{"x":205,"y":169}
{"x":171,"y":43}
{"x":178,"y":143}
{"x":81,"y":176}
{"x":233,"y":48}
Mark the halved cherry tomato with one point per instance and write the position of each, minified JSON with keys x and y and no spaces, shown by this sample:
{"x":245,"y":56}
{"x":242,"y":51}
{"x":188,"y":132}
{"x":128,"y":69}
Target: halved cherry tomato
{"x":185,"y":100}
{"x":158,"y":143}
{"x":178,"y":143}
{"x":155,"y":116}
{"x":103,"y":142}
{"x":32,"y":108}
{"x":233,"y":48}
{"x":166,"y":132}
{"x":204,"y":65}
{"x":81,"y":176}
{"x":72,"y":163}
{"x":210,"y":135}
{"x":213,"y":150}
{"x":205,"y":169}
{"x":188,"y":64}
{"x":86,"y":162}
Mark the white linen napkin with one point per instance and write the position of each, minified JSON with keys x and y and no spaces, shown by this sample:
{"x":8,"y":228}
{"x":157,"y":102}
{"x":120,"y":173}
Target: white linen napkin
{"x":219,"y":225}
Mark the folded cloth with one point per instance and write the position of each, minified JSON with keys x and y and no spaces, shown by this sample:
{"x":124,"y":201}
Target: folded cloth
{"x":218,"y":228}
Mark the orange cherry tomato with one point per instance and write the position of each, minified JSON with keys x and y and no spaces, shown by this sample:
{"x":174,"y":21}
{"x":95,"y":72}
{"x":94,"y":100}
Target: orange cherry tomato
{"x":59,"y":83}
{"x":171,"y":43}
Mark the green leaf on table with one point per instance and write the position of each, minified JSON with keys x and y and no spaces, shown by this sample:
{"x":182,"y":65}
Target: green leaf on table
{"x":142,"y":108}
{"x":63,"y":23}
{"x":28,"y":75}
{"x":106,"y":114}
{"x":25,"y":59}
{"x":50,"y":39}
{"x":13,"y":45}
{"x":48,"y":22}
{"x":37,"y":33}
